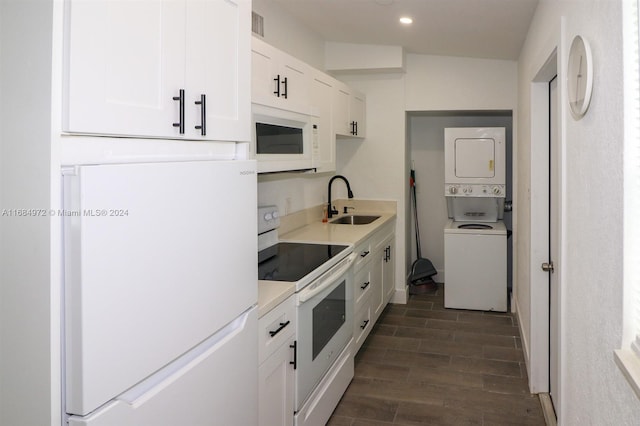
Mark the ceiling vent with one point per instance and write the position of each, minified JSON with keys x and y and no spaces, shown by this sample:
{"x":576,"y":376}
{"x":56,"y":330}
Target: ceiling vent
{"x":257,"y":24}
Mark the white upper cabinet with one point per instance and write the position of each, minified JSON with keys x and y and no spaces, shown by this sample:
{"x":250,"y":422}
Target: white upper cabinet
{"x":322,"y":87}
{"x":349,"y":110}
{"x":218,"y":59}
{"x":278,"y":79}
{"x":136,"y":68}
{"x":357,"y":114}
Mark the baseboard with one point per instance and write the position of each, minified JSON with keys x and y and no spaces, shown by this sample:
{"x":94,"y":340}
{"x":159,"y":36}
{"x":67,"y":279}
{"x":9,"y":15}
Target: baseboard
{"x":547,"y":409}
{"x":400,"y":296}
{"x":523,"y":340}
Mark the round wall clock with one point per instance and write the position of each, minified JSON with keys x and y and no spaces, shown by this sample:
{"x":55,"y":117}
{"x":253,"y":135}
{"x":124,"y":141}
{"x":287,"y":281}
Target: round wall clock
{"x":579,"y":77}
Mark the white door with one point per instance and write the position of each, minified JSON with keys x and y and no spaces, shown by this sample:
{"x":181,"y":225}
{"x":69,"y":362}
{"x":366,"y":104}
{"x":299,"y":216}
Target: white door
{"x":158,"y":257}
{"x":554,"y":204}
{"x":124,"y":65}
{"x":218,"y":62}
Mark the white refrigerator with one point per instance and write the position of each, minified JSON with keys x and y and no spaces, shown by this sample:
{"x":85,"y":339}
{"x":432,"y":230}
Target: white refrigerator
{"x":160,"y":294}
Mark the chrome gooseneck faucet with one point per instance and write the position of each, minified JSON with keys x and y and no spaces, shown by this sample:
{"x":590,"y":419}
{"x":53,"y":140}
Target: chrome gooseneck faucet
{"x":331,"y":209}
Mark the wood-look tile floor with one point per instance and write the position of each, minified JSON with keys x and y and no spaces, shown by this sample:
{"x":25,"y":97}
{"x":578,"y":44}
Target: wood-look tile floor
{"x":424,"y":364}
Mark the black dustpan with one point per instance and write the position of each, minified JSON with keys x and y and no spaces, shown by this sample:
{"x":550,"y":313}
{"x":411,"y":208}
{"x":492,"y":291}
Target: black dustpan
{"x":422,"y":269}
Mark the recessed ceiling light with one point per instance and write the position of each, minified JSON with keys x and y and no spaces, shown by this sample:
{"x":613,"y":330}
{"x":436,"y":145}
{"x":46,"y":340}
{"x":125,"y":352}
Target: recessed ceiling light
{"x":406,"y":20}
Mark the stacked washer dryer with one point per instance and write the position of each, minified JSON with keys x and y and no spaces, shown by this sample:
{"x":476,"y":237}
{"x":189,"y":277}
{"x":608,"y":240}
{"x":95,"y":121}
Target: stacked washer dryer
{"x":475,"y":238}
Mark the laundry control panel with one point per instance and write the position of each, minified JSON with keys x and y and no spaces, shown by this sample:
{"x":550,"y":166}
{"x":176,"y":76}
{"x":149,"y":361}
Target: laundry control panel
{"x":459,"y":190}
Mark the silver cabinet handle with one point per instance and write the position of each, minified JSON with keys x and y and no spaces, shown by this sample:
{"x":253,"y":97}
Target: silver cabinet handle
{"x":547,"y":267}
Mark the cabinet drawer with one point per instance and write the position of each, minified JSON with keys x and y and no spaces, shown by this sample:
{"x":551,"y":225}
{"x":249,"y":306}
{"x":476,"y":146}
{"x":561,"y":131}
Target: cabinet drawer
{"x":276,"y":327}
{"x":362,"y":326}
{"x":364,"y":252}
{"x":361,"y":287}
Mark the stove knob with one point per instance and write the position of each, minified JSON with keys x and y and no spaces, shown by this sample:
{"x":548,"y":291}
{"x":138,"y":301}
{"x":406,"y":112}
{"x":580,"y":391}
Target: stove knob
{"x":496,"y":190}
{"x":275,"y":215}
{"x":268,"y":216}
{"x":453,"y":190}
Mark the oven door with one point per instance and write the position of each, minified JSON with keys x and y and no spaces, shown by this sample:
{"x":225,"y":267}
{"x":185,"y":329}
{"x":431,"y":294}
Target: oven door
{"x":325,"y":325}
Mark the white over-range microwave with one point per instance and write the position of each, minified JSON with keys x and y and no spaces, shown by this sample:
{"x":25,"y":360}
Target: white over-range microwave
{"x":283,"y":140}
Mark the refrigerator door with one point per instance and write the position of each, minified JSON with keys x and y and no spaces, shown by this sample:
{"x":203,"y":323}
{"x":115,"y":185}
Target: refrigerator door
{"x":214,"y":384}
{"x":158,"y":258}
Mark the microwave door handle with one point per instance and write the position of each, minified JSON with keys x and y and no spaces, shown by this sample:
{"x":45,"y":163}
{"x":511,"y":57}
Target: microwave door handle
{"x":309,"y":293}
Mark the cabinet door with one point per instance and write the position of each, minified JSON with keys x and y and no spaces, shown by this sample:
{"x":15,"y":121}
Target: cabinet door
{"x":388,"y":271}
{"x":377,"y":298}
{"x":341,"y":101}
{"x":295,"y":84}
{"x":218,"y":44}
{"x":325,"y":151}
{"x":264,"y":69}
{"x":124,"y":64}
{"x":278,"y":79}
{"x":275,"y":388}
{"x":357,"y":114}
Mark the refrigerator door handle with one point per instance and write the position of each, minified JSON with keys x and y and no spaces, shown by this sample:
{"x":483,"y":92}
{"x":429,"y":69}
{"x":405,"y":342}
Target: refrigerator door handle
{"x":153,"y":384}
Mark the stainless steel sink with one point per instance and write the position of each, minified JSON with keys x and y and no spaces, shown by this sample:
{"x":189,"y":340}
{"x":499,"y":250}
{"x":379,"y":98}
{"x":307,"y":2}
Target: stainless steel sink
{"x":354,"y":220}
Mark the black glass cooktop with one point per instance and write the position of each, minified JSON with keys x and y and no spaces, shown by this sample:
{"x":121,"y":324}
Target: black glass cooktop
{"x":292,"y":261}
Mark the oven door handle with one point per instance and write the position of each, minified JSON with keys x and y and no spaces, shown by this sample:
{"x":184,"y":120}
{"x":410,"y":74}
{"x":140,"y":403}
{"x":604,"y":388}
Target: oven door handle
{"x":311,"y":290}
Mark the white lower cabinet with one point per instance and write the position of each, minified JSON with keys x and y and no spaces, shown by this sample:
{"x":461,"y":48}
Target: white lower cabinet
{"x":277,"y":362}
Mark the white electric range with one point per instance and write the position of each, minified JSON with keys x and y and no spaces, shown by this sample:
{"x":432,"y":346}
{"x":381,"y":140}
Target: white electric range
{"x":323,"y":278}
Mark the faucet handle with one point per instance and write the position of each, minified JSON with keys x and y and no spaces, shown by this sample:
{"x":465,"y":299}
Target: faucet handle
{"x":334,"y":210}
{"x":345,"y":209}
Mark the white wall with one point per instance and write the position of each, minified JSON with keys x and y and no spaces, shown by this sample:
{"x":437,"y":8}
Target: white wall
{"x":376,"y":165}
{"x":283,"y":31}
{"x":437,"y":83}
{"x":593,"y":390}
{"x":26,"y":362}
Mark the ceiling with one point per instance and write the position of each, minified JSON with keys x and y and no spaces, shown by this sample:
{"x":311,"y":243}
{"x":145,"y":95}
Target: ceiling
{"x":493,"y":29}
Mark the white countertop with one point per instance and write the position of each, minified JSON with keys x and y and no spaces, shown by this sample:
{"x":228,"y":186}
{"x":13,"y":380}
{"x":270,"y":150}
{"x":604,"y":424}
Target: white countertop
{"x":272,"y":293}
{"x":332,"y":233}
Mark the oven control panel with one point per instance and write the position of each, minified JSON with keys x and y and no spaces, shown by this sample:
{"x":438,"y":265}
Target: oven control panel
{"x":268,"y":218}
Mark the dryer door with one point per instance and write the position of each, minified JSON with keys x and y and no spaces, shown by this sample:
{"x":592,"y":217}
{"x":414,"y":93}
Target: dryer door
{"x":475,"y":155}
{"x":475,"y":158}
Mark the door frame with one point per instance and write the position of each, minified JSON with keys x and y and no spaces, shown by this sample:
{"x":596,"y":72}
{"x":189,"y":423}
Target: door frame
{"x":539,"y":280}
{"x":540,"y":217}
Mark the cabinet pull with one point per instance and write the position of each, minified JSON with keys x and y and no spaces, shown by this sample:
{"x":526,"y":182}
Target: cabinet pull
{"x":365,"y":285}
{"x":353,"y":127}
{"x":203,"y":115}
{"x":364,"y":254}
{"x":282,"y":326}
{"x":295,"y":354}
{"x":286,"y":88}
{"x":277,"y":80}
{"x":364,"y":324}
{"x":180,"y":123}
{"x":356,"y":128}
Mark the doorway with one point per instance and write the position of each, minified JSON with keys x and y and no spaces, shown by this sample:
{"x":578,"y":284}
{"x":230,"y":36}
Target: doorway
{"x":545,"y":372}
{"x":553,"y":261}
